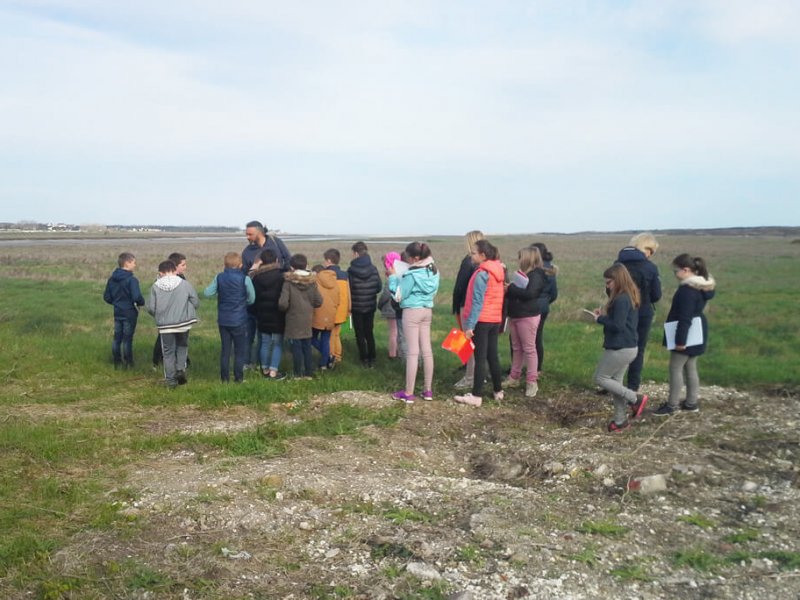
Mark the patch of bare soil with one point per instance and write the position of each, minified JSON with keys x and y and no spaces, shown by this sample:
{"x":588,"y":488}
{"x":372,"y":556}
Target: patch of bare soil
{"x":526,"y":499}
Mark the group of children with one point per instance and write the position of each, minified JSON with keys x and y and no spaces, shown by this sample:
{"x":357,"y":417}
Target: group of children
{"x":307,"y":308}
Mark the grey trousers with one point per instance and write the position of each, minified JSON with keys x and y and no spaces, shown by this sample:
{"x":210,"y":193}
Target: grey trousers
{"x":683,"y":367}
{"x":609,"y":374}
{"x":175,"y":347}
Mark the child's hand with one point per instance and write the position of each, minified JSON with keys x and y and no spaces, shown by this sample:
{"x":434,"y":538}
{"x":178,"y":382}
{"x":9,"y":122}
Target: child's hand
{"x":469,"y":333}
{"x":597,"y":312}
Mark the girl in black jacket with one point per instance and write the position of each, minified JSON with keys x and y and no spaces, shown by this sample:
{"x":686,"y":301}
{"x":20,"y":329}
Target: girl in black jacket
{"x":696,"y":287}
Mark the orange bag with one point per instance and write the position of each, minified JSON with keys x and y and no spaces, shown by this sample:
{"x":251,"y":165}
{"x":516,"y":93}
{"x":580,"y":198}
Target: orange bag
{"x":457,"y":343}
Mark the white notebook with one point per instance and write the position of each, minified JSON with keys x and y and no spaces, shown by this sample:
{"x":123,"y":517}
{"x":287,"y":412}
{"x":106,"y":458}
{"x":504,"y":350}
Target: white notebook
{"x":694,"y":338}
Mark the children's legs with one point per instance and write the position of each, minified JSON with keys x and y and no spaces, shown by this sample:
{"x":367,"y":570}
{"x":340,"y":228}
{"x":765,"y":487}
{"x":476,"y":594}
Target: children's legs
{"x":297,"y":357}
{"x":481,"y":341}
{"x":158,"y":354}
{"x":369,"y":324}
{"x":275,"y":343}
{"x":325,"y":347}
{"x":527,"y":329}
{"x":469,"y":374}
{"x":494,"y":358}
{"x":692,"y":381}
{"x":635,"y":368}
{"x":426,"y":349}
{"x":411,"y":328}
{"x":128,"y":329}
{"x":263,"y":349}
{"x":116,"y":345}
{"x":169,"y":352}
{"x":677,"y":361}
{"x":336,"y":342}
{"x":402,"y":346}
{"x":517,"y":356}
{"x":240,"y":350}
{"x":540,"y":341}
{"x":609,"y":374}
{"x":181,"y":350}
{"x":225,"y":352}
{"x":308,"y":365}
{"x":359,"y":328}
{"x":391,"y":325}
{"x":252,"y":328}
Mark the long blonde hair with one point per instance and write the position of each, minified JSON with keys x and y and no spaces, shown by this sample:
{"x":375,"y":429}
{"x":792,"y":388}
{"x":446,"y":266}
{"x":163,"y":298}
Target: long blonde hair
{"x":472,"y":237}
{"x":529,"y":259}
{"x":623,"y":284}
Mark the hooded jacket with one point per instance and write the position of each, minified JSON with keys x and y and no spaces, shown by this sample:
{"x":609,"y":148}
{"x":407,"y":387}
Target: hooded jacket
{"x":550,"y":292}
{"x":485,"y":295}
{"x":465,"y":271}
{"x":365,"y":285}
{"x":645,"y":274}
{"x":268,"y":283}
{"x":325,"y":315}
{"x":688,"y":302}
{"x":418,"y":286}
{"x":299,"y":298}
{"x":173,"y":302}
{"x":123,"y":292}
{"x":343,"y":310}
{"x":525,"y":302}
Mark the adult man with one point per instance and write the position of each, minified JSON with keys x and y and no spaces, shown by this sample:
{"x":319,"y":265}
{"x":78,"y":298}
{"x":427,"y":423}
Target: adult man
{"x":258,"y":241}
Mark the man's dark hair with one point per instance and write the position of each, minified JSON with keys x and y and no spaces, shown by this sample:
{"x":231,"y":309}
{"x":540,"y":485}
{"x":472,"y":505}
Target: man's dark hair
{"x":298,"y":261}
{"x":333,"y":255}
{"x":257,"y":225}
{"x":359,"y":248}
{"x":166,"y":266}
{"x":268,"y":256}
{"x":177,"y":258}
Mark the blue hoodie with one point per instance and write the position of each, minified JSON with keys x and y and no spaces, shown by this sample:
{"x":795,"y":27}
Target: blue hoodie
{"x":122,"y":291}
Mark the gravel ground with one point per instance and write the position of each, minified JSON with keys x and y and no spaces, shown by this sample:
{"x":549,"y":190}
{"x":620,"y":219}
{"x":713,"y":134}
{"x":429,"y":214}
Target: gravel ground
{"x":528,"y":499}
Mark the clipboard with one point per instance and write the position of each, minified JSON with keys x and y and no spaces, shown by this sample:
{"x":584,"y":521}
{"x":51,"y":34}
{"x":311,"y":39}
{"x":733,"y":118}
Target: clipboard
{"x":693,"y":338}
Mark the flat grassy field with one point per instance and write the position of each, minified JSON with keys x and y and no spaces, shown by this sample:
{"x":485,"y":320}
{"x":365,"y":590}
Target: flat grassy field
{"x":62,"y":475}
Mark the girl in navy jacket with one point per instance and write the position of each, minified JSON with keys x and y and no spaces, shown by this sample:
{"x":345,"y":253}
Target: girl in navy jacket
{"x":695,"y":288}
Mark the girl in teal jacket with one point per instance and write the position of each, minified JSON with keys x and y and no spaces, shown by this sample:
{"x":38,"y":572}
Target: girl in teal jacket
{"x":416,"y":290}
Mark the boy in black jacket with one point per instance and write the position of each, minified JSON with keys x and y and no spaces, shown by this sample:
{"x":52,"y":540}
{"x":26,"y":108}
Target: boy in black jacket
{"x":365,"y":285}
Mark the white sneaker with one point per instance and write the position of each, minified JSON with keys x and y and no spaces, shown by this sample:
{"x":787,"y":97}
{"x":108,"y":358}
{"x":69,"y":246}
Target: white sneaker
{"x":463,"y":384}
{"x":498,"y":396}
{"x":468,"y":399}
{"x":510,"y":382}
{"x":531,"y":389}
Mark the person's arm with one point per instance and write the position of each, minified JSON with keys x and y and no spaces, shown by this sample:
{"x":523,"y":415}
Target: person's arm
{"x":478,"y":295}
{"x":655,"y":286}
{"x":316,"y":297}
{"x":684,"y":312}
{"x":194,"y":299}
{"x":616,"y":319}
{"x":150,"y":305}
{"x":250,"y":289}
{"x":211,"y":290}
{"x":107,"y":293}
{"x":136,"y":292}
{"x":283,"y":301}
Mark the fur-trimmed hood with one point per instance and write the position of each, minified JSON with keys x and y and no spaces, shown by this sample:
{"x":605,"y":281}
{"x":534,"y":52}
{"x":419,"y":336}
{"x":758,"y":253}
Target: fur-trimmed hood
{"x":301,"y":278}
{"x":699,"y":282}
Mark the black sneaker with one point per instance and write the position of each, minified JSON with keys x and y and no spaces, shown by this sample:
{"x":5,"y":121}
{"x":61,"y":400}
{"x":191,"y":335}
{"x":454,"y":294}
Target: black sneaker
{"x":614,"y":428}
{"x":278,"y":376}
{"x":180,"y":377}
{"x":689,"y":408}
{"x":664,"y":410}
{"x":638,"y":407}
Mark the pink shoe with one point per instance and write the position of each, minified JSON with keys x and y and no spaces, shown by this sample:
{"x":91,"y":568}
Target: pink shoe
{"x":469,"y":400}
{"x":427,"y":395}
{"x":401,"y":395}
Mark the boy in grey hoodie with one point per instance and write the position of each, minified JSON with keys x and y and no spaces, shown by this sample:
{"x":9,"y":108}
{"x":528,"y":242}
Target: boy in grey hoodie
{"x":172,"y":302}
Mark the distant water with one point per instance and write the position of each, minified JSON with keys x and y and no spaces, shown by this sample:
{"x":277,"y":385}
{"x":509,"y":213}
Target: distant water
{"x":237,"y":240}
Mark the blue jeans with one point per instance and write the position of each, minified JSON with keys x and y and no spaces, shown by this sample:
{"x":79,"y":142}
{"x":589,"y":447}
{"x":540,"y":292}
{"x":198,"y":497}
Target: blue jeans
{"x":301,"y":355}
{"x":235,"y":336}
{"x":271,"y":350}
{"x":122,"y":346}
{"x":253,"y":335}
{"x":321,"y":340}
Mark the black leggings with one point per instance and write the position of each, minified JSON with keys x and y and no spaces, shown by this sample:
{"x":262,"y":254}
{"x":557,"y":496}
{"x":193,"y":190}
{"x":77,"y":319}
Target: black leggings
{"x":485,"y":340}
{"x":540,"y":340}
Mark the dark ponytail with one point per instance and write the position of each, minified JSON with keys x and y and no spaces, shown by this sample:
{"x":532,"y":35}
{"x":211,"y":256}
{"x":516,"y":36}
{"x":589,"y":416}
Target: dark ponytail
{"x":694,"y":263}
{"x":486,"y":248}
{"x":547,"y":256}
{"x":418,"y":250}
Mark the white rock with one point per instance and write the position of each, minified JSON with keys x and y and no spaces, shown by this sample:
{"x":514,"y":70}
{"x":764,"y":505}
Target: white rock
{"x":749,"y":486}
{"x":423,"y":571}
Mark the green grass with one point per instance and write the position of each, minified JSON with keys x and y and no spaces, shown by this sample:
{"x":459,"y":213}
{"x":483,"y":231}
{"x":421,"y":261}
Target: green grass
{"x":697,"y":520}
{"x":70,"y":425}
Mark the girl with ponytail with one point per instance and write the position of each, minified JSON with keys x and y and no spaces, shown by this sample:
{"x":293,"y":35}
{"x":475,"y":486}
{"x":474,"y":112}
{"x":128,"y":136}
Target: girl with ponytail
{"x":695,"y":288}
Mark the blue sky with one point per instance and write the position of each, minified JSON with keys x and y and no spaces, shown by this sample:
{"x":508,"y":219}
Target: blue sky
{"x":401,"y":117}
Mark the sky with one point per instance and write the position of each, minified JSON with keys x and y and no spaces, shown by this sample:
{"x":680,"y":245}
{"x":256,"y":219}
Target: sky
{"x":401,"y":117}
